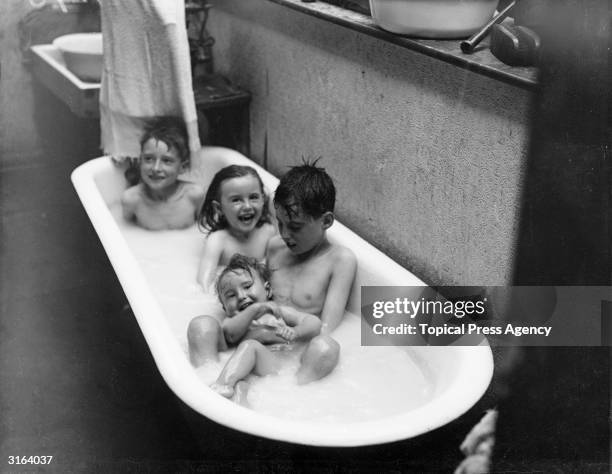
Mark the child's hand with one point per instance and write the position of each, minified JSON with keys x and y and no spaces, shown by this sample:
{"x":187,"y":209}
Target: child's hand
{"x":286,"y":333}
{"x":270,"y":307}
{"x":268,"y":320}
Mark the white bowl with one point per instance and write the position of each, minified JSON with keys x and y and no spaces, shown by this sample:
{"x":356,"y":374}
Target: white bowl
{"x":432,"y":18}
{"x":82,"y":53}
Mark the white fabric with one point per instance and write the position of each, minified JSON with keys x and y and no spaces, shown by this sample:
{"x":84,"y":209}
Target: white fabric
{"x":147,"y":71}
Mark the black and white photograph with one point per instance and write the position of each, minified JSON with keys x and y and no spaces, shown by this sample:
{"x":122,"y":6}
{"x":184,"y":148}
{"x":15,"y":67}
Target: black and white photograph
{"x":331,"y":236}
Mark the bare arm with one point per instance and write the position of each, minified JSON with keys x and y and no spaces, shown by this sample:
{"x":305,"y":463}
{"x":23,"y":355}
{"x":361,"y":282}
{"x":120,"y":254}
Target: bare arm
{"x":339,"y":290}
{"x":302,"y":326}
{"x":207,"y":270}
{"x":236,"y":327}
{"x":265,"y":335}
{"x":196,"y":195}
{"x":129,"y":199}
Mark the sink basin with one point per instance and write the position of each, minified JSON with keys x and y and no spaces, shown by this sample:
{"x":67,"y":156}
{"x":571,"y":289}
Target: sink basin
{"x":49,"y":67}
{"x":82,"y":54}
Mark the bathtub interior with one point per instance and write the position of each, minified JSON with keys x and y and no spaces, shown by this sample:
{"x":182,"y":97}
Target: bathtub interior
{"x":460,"y":374}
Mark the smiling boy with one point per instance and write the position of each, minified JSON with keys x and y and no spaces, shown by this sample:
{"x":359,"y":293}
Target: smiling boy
{"x":161,"y":200}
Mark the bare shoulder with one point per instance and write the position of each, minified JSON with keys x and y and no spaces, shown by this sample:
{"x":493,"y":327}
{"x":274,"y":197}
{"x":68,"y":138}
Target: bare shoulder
{"x":344,"y":256}
{"x":269,"y":230}
{"x":275,"y":247}
{"x":132,"y":195}
{"x":276,"y":244}
{"x":216,"y":237}
{"x":194,"y":191}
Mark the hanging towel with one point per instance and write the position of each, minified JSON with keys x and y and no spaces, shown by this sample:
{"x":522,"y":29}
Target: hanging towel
{"x":147,"y":71}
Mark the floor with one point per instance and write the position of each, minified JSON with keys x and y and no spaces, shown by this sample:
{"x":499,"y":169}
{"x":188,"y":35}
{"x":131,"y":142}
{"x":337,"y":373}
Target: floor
{"x":78,"y":381}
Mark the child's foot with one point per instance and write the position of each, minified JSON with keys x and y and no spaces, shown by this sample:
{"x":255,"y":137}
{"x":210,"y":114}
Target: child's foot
{"x":241,"y":392}
{"x":226,"y":391}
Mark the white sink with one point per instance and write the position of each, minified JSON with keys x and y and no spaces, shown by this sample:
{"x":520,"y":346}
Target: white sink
{"x":82,"y":53}
{"x":50,"y":69}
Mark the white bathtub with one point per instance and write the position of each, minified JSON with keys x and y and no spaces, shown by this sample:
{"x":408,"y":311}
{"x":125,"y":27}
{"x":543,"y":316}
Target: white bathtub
{"x":462,"y":374}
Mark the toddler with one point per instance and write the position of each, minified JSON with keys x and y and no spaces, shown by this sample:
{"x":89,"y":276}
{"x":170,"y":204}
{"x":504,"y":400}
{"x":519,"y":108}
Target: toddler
{"x":244,"y":292}
{"x":236,"y":215}
{"x":161,"y":200}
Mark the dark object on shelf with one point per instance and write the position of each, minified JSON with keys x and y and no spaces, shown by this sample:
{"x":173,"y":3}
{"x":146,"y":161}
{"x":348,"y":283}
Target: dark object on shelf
{"x":200,"y":43}
{"x":470,"y":44}
{"x":515,"y":45}
{"x":534,"y":14}
{"x":223,"y":112}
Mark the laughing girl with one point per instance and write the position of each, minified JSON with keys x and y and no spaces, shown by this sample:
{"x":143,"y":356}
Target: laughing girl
{"x":237,"y":218}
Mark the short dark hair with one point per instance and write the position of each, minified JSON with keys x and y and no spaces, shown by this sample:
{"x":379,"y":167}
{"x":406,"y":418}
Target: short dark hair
{"x":244,"y":263}
{"x":172,"y":131}
{"x":208,"y":219}
{"x":307,"y":186}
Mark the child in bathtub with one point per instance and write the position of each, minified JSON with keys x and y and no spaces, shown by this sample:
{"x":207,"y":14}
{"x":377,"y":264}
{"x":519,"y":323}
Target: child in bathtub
{"x":308,"y":272}
{"x":236,"y":215}
{"x":161,"y":200}
{"x":244,"y":292}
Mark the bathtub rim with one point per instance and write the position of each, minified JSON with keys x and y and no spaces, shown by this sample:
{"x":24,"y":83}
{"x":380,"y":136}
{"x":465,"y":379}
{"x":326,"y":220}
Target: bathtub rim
{"x":181,"y":377}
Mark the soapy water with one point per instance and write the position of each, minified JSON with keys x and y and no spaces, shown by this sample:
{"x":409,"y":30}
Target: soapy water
{"x":368,"y":383}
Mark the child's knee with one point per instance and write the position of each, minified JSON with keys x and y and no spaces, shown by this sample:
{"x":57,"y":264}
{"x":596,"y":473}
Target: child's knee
{"x":319,"y":359}
{"x":204,"y":337}
{"x":202,"y":327}
{"x":325,"y":347}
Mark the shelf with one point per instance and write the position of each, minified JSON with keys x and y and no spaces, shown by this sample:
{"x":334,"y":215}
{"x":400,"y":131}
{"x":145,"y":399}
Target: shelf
{"x":481,"y":61}
{"x":214,"y":91}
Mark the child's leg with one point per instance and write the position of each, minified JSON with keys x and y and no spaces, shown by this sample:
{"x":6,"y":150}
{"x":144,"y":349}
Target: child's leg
{"x":318,"y":360}
{"x":206,"y":339}
{"x":250,"y":356}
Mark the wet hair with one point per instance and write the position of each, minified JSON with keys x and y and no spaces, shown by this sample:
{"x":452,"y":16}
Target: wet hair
{"x":308,"y":187}
{"x":170,"y":130}
{"x":240,"y":262}
{"x":209,"y":220}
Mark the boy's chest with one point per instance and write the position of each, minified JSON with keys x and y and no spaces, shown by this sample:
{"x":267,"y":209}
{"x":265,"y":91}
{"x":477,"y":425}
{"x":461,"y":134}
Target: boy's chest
{"x":302,"y":286}
{"x":175,"y":213}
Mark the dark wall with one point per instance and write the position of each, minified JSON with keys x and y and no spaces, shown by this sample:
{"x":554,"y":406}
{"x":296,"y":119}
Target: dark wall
{"x":556,"y":415}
